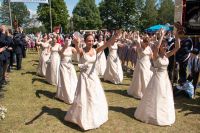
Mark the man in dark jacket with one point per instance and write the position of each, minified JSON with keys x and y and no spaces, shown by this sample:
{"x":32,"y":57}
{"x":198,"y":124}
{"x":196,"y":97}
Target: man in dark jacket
{"x":182,"y":56}
{"x":18,"y":47}
{"x":172,"y":67}
{"x":3,"y":45}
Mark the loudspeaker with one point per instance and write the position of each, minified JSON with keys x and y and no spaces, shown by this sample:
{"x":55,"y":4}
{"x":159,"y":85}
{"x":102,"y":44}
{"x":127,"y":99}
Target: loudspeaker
{"x":191,"y":17}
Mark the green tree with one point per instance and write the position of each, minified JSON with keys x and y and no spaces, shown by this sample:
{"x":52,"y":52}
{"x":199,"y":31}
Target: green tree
{"x":19,"y":10}
{"x":118,"y":13}
{"x":166,"y":12}
{"x":140,"y":4}
{"x":59,"y":12}
{"x":4,"y":14}
{"x":149,"y":14}
{"x":86,"y":15}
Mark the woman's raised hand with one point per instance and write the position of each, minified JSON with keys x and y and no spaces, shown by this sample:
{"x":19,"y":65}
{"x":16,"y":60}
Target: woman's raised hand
{"x":76,"y":40}
{"x":118,"y":33}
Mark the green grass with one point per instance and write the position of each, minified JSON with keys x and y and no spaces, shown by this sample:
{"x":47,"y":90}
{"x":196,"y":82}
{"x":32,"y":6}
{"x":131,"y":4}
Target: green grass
{"x":33,"y":109}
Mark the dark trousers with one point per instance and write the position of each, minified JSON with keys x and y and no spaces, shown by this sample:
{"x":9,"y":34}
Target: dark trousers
{"x":1,"y":72}
{"x":172,"y":70}
{"x":10,"y":61}
{"x":24,"y":53}
{"x":183,"y":72}
{"x":19,"y":61}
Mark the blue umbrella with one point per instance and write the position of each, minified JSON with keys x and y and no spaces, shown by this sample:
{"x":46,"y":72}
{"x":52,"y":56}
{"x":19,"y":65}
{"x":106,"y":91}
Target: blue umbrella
{"x":157,"y":27}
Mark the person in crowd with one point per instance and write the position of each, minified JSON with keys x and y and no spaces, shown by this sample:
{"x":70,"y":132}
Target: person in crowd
{"x":37,"y":39}
{"x":183,"y":54}
{"x":3,"y":47}
{"x":23,"y":39}
{"x":45,"y":54}
{"x":18,"y":47}
{"x":67,"y":80}
{"x":101,"y":58}
{"x":89,"y":109}
{"x":172,"y":67}
{"x":5,"y":55}
{"x":194,"y":68}
{"x":114,"y":72}
{"x":9,"y":51}
{"x":142,"y":73}
{"x":53,"y":62}
{"x":157,"y":104}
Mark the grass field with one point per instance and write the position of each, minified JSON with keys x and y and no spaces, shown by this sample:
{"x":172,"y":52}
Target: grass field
{"x":32,"y":107}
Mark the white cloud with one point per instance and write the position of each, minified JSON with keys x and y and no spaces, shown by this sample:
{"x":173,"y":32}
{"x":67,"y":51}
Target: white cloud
{"x":32,"y":12}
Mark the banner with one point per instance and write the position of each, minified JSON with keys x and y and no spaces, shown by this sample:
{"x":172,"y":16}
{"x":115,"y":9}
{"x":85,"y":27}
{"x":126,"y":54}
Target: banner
{"x":30,"y":1}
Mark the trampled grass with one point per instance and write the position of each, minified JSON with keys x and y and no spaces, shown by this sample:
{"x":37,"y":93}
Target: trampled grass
{"x":32,"y":107}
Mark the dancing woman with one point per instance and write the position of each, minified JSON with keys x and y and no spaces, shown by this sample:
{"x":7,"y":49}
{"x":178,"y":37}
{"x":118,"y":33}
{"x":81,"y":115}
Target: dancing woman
{"x":44,"y":57}
{"x":113,"y":72}
{"x":67,"y":79}
{"x":142,"y":73}
{"x":53,"y":63}
{"x":157,"y":104}
{"x":89,"y":109}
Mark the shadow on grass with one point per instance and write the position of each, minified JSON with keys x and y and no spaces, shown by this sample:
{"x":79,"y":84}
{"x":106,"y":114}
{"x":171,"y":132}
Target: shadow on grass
{"x":32,"y":73}
{"x":121,"y":92}
{"x":127,"y":111}
{"x":45,"y":93}
{"x":108,"y":82}
{"x":48,"y":94}
{"x":34,"y":60}
{"x":1,"y":95}
{"x":185,"y":104}
{"x":39,"y":80}
{"x":128,"y":74}
{"x":56,"y":112}
{"x":35,"y":64}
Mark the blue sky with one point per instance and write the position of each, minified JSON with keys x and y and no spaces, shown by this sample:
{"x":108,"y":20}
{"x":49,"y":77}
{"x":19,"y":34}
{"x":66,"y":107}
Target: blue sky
{"x":70,"y":6}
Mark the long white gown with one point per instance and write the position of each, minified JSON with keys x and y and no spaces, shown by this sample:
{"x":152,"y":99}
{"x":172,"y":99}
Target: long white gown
{"x":44,"y":57}
{"x":53,"y":66}
{"x":89,"y":109}
{"x":113,"y":72}
{"x":142,"y":74}
{"x":67,"y":80}
{"x":101,"y":61}
{"x":157,"y":104}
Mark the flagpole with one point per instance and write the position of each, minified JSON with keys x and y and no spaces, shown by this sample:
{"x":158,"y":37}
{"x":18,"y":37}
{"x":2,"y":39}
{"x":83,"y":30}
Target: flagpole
{"x":10,"y":15}
{"x":50,"y":14}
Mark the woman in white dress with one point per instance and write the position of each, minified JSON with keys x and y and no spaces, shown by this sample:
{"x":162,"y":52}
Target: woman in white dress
{"x":44,"y":57}
{"x":113,"y":72}
{"x":53,"y":63}
{"x":142,"y":73}
{"x":157,"y":104}
{"x":89,"y":109}
{"x":101,"y":58}
{"x":67,"y":80}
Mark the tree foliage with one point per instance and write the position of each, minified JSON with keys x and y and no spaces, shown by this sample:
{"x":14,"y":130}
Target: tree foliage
{"x":118,"y":13}
{"x":18,"y":11}
{"x":59,"y":12}
{"x":166,"y":12}
{"x":149,"y":14}
{"x":86,"y":15}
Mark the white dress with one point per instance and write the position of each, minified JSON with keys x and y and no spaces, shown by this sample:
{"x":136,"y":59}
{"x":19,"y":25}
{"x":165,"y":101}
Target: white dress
{"x":53,"y":66}
{"x":89,"y":109}
{"x":67,"y":80}
{"x":142,"y":74}
{"x":101,"y":61}
{"x":157,"y":104}
{"x":113,"y":72}
{"x":44,"y":57}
